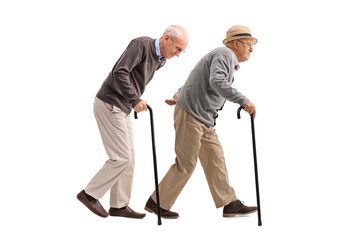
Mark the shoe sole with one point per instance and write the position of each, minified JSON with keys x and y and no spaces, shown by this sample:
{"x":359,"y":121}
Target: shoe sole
{"x":114,"y":215}
{"x":165,"y":217}
{"x":237,"y":214}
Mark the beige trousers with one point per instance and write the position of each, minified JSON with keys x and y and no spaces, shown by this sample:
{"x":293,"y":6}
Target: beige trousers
{"x":193,"y":139}
{"x":117,"y":173}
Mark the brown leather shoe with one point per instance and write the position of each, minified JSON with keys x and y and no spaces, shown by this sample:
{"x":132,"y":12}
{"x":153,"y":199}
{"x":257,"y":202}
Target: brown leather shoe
{"x":125,"y":212}
{"x":151,"y":206}
{"x":237,"y":208}
{"x":92,"y":204}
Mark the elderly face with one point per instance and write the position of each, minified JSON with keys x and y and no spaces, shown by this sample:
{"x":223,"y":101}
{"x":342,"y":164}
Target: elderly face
{"x":171,"y":46}
{"x":242,"y":49}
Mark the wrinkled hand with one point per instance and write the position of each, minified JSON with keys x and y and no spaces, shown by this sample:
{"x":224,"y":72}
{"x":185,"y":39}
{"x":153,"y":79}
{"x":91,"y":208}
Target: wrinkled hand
{"x":141,"y":106}
{"x":250,"y":108}
{"x":172,"y":102}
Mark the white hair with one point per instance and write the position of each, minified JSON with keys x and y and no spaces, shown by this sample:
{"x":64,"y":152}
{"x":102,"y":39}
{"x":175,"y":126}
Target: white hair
{"x":173,"y":31}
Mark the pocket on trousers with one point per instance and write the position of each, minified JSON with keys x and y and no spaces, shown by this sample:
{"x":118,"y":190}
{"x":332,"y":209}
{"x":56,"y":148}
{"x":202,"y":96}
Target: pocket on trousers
{"x":115,"y":110}
{"x":109,"y":106}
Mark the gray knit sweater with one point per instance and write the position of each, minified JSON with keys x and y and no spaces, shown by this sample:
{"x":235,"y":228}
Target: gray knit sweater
{"x":209,"y":86}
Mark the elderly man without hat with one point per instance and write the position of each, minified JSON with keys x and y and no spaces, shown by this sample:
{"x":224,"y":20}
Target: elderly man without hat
{"x":119,"y":94}
{"x":198,"y":101}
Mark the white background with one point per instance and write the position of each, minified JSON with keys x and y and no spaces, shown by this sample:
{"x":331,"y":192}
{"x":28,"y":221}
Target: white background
{"x":302,"y":76}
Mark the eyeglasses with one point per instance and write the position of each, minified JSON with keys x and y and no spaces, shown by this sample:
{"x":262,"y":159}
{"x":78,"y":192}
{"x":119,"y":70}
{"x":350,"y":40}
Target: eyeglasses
{"x":249,"y":44}
{"x":179,"y":50}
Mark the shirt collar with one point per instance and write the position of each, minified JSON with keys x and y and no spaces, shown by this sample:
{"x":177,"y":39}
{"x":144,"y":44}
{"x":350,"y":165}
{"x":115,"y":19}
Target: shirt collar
{"x":235,"y":60}
{"x":158,"y":53}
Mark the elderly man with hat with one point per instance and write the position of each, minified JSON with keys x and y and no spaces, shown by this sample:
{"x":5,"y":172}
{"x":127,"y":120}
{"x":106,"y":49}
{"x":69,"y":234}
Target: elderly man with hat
{"x":197,"y":102}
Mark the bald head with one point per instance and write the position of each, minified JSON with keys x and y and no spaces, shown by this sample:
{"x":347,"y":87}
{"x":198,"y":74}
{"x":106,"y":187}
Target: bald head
{"x":176,"y":31}
{"x":173,"y":41}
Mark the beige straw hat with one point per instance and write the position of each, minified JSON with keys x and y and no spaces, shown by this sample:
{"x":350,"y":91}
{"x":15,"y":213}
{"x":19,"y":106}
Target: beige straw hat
{"x":237,"y":32}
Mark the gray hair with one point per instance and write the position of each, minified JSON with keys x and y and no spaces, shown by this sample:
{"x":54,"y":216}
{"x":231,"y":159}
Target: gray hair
{"x":173,"y":31}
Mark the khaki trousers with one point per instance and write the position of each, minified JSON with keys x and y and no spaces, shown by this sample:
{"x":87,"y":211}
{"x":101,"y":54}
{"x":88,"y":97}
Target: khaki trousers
{"x":117,"y":173}
{"x":194,"y":139}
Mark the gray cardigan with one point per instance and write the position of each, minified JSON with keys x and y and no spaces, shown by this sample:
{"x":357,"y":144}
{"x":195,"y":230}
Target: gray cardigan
{"x":209,"y":86}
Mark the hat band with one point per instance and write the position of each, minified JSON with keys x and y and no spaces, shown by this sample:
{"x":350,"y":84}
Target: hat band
{"x":242,"y":34}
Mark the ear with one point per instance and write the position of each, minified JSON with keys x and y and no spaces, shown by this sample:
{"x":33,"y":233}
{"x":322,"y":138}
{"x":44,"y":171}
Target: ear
{"x":166,"y":37}
{"x":234,"y":44}
{"x":237,"y":44}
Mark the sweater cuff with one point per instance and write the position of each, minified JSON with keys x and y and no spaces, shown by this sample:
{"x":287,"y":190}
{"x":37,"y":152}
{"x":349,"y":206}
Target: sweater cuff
{"x":134,"y":103}
{"x":244,"y":101}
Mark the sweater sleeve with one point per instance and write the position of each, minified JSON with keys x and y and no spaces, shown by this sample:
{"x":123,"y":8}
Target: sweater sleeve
{"x":219,"y":80}
{"x":121,"y":82}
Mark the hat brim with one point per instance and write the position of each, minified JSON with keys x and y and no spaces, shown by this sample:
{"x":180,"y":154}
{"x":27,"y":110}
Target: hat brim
{"x":227,"y":40}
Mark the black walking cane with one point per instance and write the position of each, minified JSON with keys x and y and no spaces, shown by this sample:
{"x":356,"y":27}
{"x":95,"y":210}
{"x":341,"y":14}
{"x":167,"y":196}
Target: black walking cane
{"x":154,"y":158}
{"x":255,"y":164}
